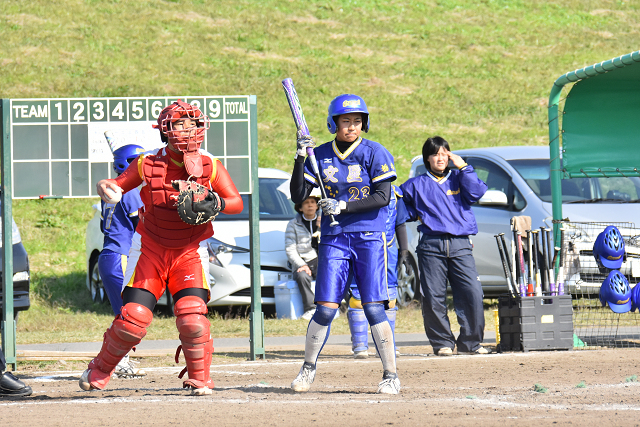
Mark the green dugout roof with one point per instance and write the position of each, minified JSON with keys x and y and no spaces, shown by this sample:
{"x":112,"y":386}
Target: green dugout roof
{"x":600,"y":124}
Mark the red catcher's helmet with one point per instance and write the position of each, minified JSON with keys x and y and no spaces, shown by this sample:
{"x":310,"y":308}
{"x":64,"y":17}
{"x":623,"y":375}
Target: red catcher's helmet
{"x":180,"y":139}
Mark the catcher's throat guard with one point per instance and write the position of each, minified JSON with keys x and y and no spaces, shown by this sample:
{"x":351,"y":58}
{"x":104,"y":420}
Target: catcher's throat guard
{"x":196,"y":203}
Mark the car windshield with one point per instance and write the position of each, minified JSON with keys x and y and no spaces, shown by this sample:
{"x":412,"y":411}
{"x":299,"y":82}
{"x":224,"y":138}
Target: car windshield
{"x":577,"y":190}
{"x":275,"y":203}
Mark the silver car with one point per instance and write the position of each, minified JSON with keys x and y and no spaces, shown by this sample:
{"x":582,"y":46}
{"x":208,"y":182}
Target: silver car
{"x":518,"y":184}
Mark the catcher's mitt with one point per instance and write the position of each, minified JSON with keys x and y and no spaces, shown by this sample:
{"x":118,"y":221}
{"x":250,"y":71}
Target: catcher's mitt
{"x":196,"y":203}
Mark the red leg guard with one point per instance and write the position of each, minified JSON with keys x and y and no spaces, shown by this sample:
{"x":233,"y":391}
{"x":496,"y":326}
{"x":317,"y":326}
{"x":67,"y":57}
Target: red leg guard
{"x":197,"y":344}
{"x":126,"y":331}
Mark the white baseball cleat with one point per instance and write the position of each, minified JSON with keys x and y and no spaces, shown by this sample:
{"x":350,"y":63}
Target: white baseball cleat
{"x":305,"y":378}
{"x":362,"y":354}
{"x":390,"y":383}
{"x":84,"y":381}
{"x":128,"y":369}
{"x":203,"y":391}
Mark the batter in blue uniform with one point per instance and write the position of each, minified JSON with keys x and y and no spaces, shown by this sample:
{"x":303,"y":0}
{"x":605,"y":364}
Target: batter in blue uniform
{"x":356,"y":174}
{"x":441,"y":199}
{"x":118,"y":223}
{"x":395,"y":232}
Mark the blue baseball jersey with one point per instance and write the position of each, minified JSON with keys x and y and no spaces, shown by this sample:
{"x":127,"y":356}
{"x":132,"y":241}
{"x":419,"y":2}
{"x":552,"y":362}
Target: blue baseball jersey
{"x":349,"y":176}
{"x":443,"y":204}
{"x":116,"y":222}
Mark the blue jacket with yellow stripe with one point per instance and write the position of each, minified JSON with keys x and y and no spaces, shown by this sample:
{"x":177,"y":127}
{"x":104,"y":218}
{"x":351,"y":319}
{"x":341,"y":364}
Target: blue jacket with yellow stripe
{"x":443,"y":204}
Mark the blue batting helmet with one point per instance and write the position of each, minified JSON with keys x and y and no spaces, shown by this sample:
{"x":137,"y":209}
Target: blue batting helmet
{"x":345,"y":104}
{"x":124,"y":155}
{"x":615,"y":290}
{"x":608,"y":249}
{"x":635,"y":297}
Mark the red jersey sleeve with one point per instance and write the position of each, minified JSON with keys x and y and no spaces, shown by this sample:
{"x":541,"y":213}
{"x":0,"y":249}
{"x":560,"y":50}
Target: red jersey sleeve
{"x":222,"y":184}
{"x":132,"y":176}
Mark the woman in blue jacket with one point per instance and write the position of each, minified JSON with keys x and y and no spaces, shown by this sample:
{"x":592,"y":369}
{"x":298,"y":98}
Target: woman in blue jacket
{"x":441,"y":200}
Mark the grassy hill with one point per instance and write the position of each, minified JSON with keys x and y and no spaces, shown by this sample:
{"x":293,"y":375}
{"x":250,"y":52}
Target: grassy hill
{"x":478,"y":73}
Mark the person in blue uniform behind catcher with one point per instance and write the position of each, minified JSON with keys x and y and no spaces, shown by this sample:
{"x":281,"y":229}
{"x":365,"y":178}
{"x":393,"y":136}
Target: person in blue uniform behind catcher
{"x":441,"y":199}
{"x":356,"y":174}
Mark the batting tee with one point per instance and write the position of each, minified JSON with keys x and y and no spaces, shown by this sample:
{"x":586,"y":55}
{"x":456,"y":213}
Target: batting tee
{"x":596,"y":133}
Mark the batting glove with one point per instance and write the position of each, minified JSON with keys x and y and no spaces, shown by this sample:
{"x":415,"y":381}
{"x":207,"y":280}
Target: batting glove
{"x":403,"y":259}
{"x":303,"y":142}
{"x":332,"y":206}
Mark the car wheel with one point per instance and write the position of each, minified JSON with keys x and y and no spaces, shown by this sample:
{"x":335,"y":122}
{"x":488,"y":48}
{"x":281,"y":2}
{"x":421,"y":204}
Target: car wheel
{"x":98,"y":294}
{"x":407,"y":284}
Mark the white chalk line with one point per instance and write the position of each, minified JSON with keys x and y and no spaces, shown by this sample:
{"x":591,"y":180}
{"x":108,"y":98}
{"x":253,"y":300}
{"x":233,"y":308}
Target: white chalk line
{"x":262,"y":363}
{"x":354,"y":399}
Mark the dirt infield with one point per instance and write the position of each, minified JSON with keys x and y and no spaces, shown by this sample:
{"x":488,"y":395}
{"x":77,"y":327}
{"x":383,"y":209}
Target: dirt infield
{"x":595,"y":387}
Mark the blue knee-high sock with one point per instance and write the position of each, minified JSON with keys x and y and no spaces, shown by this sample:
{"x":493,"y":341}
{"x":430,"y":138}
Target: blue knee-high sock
{"x":382,"y":335}
{"x":318,"y":332}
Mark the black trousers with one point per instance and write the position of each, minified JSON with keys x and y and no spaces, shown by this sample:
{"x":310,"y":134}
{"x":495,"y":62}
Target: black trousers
{"x":3,"y":362}
{"x":449,"y":259}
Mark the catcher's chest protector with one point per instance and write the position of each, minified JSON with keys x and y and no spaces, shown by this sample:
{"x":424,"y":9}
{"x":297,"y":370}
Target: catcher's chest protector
{"x":160,"y":216}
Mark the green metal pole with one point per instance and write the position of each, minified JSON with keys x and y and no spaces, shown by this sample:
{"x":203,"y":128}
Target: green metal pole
{"x":554,"y":155}
{"x":8,"y":322}
{"x":256,"y":317}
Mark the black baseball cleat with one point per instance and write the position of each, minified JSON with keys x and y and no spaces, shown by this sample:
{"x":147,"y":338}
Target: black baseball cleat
{"x":12,"y":386}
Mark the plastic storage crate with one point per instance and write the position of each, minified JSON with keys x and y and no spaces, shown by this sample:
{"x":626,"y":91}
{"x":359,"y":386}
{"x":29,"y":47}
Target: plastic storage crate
{"x":535,"y":323}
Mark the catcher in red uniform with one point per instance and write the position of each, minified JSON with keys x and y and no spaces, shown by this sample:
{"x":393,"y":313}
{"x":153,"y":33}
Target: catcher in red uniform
{"x":182,"y":188}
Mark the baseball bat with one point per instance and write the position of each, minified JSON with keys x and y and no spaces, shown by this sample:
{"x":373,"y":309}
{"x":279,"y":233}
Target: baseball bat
{"x":505,"y":267}
{"x":508,"y":259}
{"x":301,"y":125}
{"x":515,"y":259}
{"x":544,"y":262}
{"x":514,"y":254}
{"x":560,"y":279}
{"x":530,"y":263}
{"x":550,"y":263}
{"x":536,"y":260}
{"x":523,"y":284}
{"x":556,"y":252}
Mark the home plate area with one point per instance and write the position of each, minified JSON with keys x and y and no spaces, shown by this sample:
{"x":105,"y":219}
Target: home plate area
{"x":567,"y":387}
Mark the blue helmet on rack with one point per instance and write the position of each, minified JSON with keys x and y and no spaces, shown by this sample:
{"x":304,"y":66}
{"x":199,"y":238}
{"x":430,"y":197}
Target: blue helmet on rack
{"x":635,"y":297}
{"x":616,"y":292}
{"x":345,"y":104}
{"x":124,"y":155}
{"x":608,"y":249}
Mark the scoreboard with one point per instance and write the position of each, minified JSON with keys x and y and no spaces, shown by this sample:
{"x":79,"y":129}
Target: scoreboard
{"x":58,"y":146}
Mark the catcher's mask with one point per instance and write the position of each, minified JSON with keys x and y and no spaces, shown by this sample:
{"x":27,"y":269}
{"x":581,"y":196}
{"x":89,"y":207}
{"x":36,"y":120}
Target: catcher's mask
{"x":186,"y":140}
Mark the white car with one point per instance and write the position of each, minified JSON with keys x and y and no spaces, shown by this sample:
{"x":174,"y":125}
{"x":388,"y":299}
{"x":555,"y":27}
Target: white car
{"x":229,"y":272}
